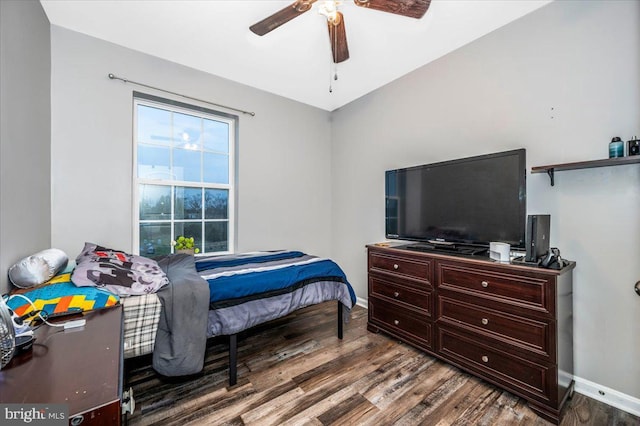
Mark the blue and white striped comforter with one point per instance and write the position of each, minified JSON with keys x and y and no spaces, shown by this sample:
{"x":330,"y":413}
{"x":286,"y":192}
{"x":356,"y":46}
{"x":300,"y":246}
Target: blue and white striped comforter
{"x":251,"y":288}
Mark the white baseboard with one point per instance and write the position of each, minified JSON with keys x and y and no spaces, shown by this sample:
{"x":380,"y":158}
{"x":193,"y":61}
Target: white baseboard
{"x":362,"y":302}
{"x":608,"y":396}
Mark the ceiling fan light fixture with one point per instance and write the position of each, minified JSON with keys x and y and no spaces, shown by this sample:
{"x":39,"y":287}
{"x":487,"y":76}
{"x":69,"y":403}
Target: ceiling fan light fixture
{"x":330,"y":10}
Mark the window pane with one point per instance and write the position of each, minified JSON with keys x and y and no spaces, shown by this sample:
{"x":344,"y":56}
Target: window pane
{"x":216,"y":236}
{"x":154,"y":125}
{"x":216,"y":204}
{"x":216,"y":136}
{"x":186,"y":165}
{"x":190,"y":229}
{"x":186,"y":131}
{"x":188,"y":203}
{"x":155,"y":202}
{"x":155,"y":239}
{"x":216,"y":168}
{"x":191,"y":148}
{"x":154,"y":162}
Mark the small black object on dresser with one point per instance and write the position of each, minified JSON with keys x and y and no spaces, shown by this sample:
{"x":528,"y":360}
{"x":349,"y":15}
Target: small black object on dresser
{"x":537,"y":236}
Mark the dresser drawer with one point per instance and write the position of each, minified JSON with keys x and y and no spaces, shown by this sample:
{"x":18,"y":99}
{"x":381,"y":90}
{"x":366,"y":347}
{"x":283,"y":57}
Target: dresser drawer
{"x":519,"y":290}
{"x":519,"y":374}
{"x":525,"y":333}
{"x":397,"y":319}
{"x":399,"y":293}
{"x":407,"y":267}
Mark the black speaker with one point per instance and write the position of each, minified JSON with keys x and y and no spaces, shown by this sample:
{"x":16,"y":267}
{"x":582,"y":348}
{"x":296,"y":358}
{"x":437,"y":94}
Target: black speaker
{"x":634,"y":146}
{"x":537,"y":236}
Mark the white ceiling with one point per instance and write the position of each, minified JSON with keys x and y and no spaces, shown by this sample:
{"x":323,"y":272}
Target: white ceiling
{"x":294,"y":60}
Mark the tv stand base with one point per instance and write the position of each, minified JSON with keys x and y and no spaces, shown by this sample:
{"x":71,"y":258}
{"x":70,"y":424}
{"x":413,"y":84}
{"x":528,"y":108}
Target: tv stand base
{"x":447,"y":248}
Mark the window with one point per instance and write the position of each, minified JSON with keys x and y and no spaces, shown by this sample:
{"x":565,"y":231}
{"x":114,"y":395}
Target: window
{"x":184,"y":176}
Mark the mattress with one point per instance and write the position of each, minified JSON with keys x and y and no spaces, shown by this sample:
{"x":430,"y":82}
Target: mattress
{"x":246,"y":290}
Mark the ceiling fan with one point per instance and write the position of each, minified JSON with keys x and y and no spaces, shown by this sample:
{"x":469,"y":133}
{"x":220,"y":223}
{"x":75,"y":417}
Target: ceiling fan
{"x":335,"y":19}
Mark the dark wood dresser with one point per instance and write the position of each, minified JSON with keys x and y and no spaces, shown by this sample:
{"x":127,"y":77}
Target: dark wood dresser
{"x":79,"y":367}
{"x":508,"y":324}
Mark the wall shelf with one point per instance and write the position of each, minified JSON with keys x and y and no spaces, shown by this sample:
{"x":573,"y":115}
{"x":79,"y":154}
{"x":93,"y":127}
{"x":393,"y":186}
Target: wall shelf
{"x":551,"y":169}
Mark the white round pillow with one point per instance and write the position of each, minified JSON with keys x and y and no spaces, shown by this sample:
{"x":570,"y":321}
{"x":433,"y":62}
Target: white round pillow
{"x":38,"y":268}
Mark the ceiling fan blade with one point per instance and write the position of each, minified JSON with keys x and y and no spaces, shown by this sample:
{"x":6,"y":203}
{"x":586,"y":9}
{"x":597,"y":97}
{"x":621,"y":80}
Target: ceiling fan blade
{"x":281,"y":17}
{"x":411,"y":8}
{"x":338,"y":39}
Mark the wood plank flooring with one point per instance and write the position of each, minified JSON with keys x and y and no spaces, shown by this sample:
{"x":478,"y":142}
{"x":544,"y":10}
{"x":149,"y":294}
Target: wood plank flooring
{"x":295,"y":371}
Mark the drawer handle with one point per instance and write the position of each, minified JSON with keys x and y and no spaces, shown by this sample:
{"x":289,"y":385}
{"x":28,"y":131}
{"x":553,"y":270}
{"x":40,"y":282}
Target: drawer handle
{"x":395,"y":266}
{"x":396,"y":294}
{"x":485,"y":358}
{"x":485,"y":321}
{"x":485,"y":284}
{"x":396,"y":322}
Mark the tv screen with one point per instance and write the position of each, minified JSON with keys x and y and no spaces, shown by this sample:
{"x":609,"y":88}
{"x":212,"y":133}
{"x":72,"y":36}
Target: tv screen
{"x":470,"y":201}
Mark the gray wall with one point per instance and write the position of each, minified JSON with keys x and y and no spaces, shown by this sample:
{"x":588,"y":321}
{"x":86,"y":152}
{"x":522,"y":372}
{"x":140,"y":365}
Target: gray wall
{"x":25,"y":132}
{"x":560,"y":82}
{"x":284,"y":151}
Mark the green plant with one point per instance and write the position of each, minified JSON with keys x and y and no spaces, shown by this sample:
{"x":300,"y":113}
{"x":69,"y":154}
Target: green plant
{"x":185,"y":243}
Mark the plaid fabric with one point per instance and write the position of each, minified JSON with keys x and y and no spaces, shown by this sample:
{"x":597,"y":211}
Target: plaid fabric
{"x":141,"y":317}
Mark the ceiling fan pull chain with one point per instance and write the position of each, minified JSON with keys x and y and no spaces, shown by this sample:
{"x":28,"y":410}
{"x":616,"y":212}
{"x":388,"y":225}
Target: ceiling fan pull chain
{"x":333,"y":71}
{"x":330,"y":88}
{"x":335,"y":64}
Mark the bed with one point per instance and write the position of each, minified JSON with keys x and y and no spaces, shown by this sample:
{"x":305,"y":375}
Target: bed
{"x":244,"y":290}
{"x":174,"y":303}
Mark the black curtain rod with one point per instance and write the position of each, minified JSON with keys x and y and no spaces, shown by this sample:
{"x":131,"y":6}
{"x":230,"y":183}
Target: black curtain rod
{"x":124,"y":80}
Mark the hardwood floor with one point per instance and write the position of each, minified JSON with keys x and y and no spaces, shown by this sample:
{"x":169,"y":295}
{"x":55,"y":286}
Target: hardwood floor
{"x":295,"y":371}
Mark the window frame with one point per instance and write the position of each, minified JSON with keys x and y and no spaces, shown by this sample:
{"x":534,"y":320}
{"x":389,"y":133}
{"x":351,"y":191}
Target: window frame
{"x":201,"y":112}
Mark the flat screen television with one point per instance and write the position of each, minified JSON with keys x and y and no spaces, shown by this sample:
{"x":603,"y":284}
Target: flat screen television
{"x":463,"y":203}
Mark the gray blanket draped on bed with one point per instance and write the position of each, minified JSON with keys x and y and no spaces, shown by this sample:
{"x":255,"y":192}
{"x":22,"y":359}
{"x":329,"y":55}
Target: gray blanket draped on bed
{"x":181,"y":339}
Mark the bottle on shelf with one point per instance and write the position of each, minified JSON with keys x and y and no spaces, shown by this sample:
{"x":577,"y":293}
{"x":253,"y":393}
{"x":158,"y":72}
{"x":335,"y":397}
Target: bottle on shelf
{"x":616,"y":148}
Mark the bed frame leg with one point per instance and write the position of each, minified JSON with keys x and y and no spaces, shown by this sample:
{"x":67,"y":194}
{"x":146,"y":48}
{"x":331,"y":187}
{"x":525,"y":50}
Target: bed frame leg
{"x":339,"y":320}
{"x":233,"y":359}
